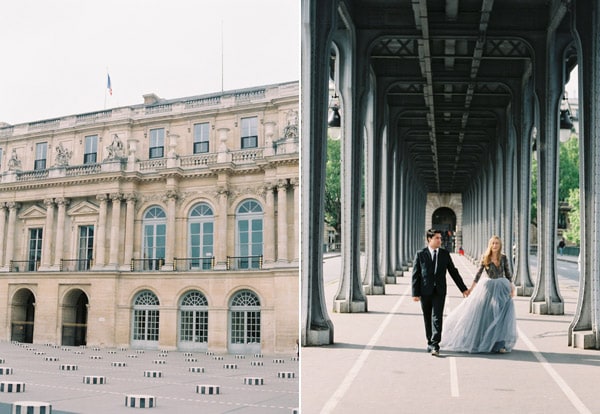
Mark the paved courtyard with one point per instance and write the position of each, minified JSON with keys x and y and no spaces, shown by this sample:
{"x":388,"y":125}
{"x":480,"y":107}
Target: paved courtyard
{"x":46,"y":371}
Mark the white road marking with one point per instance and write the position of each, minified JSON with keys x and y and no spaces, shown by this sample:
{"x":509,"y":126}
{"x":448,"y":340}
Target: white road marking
{"x":360,"y":361}
{"x":570,"y":394}
{"x":453,"y":378}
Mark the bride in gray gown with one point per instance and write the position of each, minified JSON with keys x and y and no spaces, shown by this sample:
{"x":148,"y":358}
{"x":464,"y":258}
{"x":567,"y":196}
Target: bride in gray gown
{"x":486,"y":320}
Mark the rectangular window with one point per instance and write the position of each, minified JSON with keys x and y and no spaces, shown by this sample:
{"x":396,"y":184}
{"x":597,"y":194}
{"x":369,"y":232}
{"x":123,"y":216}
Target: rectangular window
{"x":86,"y":247}
{"x":91,"y":149}
{"x":35,"y":249}
{"x":249,"y":131}
{"x":201,"y":138}
{"x":157,"y":143}
{"x":41,"y":151}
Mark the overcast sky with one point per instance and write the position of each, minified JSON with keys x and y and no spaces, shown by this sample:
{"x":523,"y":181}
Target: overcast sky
{"x":56,"y":53}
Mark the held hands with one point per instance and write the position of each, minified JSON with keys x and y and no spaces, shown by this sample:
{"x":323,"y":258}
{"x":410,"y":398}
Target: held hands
{"x":416,"y":298}
{"x":466,"y":293}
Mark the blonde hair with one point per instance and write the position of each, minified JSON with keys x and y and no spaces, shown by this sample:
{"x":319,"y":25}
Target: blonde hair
{"x":487,"y":256}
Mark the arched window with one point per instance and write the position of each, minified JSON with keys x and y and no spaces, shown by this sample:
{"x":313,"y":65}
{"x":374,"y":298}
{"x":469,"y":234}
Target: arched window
{"x":193,"y":321}
{"x":244,"y":309}
{"x":249,"y":246}
{"x":145,"y":319}
{"x":201,"y":240}
{"x":155,"y":238}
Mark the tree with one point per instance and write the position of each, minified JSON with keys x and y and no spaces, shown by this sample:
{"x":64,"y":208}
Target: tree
{"x":333,"y":199}
{"x":568,"y":168}
{"x":573,"y":233}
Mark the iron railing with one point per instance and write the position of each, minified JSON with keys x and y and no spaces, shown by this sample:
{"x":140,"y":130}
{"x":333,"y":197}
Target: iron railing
{"x":244,"y":262}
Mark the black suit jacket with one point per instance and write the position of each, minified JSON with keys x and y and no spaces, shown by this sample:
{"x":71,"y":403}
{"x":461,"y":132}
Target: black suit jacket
{"x":425,"y":281}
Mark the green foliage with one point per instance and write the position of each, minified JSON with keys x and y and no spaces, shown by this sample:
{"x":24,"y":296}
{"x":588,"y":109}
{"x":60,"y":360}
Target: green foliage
{"x":568,"y":168}
{"x":573,"y":234}
{"x":333,"y":199}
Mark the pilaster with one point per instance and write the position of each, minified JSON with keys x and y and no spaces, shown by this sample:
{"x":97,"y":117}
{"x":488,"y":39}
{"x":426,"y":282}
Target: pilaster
{"x":282,"y":237}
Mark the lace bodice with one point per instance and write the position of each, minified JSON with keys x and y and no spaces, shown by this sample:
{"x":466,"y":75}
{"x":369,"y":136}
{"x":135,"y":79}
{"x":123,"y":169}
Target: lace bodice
{"x":495,"y":272}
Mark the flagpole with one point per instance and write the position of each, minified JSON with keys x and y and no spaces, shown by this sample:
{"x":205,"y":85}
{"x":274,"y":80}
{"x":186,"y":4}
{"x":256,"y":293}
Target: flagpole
{"x":221,"y":55}
{"x":106,"y":88}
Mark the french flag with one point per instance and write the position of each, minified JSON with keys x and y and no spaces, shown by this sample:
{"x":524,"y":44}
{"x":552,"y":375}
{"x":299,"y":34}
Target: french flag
{"x":108,"y":85}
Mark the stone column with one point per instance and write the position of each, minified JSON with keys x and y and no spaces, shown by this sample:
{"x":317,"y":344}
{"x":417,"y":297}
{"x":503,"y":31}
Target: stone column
{"x":2,"y":232}
{"x":221,"y":230}
{"x":282,"y":236}
{"x":10,"y":234}
{"x":115,"y":233}
{"x":48,"y":235}
{"x":129,"y":229}
{"x":60,"y":231}
{"x":295,"y":183}
{"x":171,"y":199}
{"x":101,"y":233}
{"x":269,"y":222}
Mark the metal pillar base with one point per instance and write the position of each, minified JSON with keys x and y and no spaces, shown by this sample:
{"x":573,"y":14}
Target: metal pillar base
{"x":342,"y":306}
{"x":390,"y":280}
{"x":524,"y":290}
{"x":319,"y":337}
{"x":584,"y":340}
{"x":541,"y":308}
{"x":374,"y":290}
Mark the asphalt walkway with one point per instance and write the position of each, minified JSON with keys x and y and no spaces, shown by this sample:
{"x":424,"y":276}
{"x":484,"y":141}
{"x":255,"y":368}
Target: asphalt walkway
{"x":378,"y":363}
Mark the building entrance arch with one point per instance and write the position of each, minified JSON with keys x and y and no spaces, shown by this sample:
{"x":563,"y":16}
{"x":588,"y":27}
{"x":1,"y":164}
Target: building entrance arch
{"x":74,"y":318}
{"x":23,"y":316}
{"x":444,"y":219}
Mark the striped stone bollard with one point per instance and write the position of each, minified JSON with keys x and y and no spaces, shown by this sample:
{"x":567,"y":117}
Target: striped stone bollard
{"x":191,"y":360}
{"x":118,"y":364}
{"x":31,"y":407}
{"x":132,"y":356}
{"x":159,"y":362}
{"x":82,"y":346}
{"x":78,"y":352}
{"x":39,"y":353}
{"x":94,"y":379}
{"x":210,"y":353}
{"x":122,"y":348}
{"x":294,"y":358}
{"x":254,"y":381}
{"x":286,"y":375}
{"x":218,"y":358}
{"x":257,"y":363}
{"x":51,"y":358}
{"x":279,"y":361}
{"x":240,"y":357}
{"x":187,"y":354}
{"x":2,"y":361}
{"x":296,"y":411}
{"x":196,"y":369}
{"x":230,"y":366}
{"x":153,"y":374}
{"x":258,"y":355}
{"x":95,"y":348}
{"x":6,"y":371}
{"x":140,"y":351}
{"x":112,"y":352}
{"x":140,"y":401}
{"x":208,"y":389}
{"x":12,"y":386}
{"x":68,"y":367}
{"x":95,"y":356}
{"x":162,"y":355}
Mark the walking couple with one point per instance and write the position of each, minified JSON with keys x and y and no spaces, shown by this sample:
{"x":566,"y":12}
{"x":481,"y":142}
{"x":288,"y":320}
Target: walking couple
{"x":486,"y":320}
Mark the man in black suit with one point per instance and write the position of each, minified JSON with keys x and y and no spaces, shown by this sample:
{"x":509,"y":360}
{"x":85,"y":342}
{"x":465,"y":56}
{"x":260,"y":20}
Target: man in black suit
{"x":429,"y":286}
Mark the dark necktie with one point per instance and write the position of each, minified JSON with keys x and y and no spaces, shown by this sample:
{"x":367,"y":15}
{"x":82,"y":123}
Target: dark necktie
{"x":435,"y":261}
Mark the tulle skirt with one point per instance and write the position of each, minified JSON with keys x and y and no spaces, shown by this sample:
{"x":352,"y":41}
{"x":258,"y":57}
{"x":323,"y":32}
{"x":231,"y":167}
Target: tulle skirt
{"x":483,"y":322}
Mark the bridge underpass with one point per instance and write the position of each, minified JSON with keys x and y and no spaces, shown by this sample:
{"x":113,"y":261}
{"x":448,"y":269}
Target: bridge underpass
{"x":447,"y":101}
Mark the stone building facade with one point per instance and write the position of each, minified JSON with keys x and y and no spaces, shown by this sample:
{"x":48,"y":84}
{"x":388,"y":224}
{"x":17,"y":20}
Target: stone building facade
{"x":171,"y":224}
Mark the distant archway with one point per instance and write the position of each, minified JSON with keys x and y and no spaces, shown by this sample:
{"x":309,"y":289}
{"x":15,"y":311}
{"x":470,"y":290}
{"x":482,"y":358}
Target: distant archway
{"x":444,"y":219}
{"x":23,"y":316}
{"x":74,"y":318}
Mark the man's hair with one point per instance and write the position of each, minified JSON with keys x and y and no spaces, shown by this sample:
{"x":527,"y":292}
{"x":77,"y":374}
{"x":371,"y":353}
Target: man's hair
{"x":432,"y":232}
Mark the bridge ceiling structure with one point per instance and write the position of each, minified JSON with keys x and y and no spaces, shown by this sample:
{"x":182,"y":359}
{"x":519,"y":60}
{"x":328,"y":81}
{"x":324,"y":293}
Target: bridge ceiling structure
{"x":447,"y":67}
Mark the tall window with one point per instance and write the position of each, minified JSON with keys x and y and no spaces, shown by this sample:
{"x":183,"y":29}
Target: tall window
{"x":0,"y":157}
{"x":201,"y":222}
{"x":41,"y":151}
{"x":193,"y":317}
{"x":86,"y":247}
{"x":35,"y":248}
{"x":145,"y":319}
{"x":249,"y":246}
{"x":155,"y":238}
{"x":201,"y":138}
{"x":157,"y":143}
{"x":249,"y":132}
{"x":91,"y":149}
{"x":244,"y":323}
